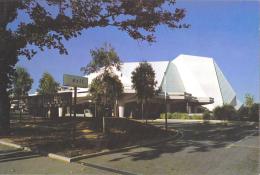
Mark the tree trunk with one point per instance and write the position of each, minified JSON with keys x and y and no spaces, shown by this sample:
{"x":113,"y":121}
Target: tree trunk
{"x":4,"y":108}
{"x":8,"y":58}
{"x":145,"y":110}
{"x":142,"y":108}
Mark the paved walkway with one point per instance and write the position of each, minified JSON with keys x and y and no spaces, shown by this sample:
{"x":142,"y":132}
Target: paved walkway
{"x":15,"y":161}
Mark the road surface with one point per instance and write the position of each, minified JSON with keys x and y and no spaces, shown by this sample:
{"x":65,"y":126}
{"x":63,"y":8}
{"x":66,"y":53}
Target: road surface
{"x":200,"y":148}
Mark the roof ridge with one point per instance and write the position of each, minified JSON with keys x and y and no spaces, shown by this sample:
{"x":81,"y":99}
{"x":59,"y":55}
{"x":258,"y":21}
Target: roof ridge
{"x":143,"y":61}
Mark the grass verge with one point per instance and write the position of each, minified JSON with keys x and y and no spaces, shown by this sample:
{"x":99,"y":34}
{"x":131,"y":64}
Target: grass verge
{"x":76,"y":136}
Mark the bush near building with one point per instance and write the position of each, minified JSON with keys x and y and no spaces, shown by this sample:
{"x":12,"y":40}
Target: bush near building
{"x":179,"y":115}
{"x":206,"y":115}
{"x":225,"y":112}
{"x":243,"y":112}
{"x":249,"y":113}
{"x":254,"y":112}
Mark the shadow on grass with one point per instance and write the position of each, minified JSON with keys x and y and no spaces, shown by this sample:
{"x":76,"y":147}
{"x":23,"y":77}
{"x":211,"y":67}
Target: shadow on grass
{"x":76,"y":136}
{"x":57,"y":136}
{"x":63,"y":135}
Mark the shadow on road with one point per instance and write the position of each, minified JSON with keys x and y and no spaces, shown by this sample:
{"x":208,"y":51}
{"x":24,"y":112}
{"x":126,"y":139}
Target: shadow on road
{"x":11,"y":155}
{"x":106,"y":169}
{"x":198,"y":137}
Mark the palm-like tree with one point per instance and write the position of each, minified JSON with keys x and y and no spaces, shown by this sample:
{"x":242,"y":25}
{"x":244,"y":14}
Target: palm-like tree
{"x":22,"y":82}
{"x":47,"y":85}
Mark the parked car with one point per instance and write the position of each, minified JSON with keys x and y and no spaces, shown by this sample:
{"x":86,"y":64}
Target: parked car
{"x":14,"y":105}
{"x":87,"y":113}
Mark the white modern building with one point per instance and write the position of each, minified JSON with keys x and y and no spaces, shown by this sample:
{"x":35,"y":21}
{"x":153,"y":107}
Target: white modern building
{"x":191,"y":84}
{"x":201,"y":77}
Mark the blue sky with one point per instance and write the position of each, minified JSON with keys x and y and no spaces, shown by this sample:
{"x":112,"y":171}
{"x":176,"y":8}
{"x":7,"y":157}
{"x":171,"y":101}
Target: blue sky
{"x":226,"y":31}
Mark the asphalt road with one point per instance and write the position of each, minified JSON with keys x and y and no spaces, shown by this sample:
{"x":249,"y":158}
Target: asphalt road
{"x":199,"y":149}
{"x":15,"y":161}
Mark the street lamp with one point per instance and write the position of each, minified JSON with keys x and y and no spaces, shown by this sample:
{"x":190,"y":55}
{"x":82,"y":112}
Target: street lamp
{"x":165,"y":100}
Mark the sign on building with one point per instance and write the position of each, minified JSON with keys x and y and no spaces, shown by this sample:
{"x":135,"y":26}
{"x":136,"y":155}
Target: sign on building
{"x":75,"y":81}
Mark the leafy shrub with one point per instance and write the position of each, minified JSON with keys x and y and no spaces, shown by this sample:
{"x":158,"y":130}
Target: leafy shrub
{"x":243,"y":112}
{"x":249,"y":113}
{"x":206,"y":115}
{"x":253,"y":112}
{"x":225,"y":112}
{"x":196,"y":117}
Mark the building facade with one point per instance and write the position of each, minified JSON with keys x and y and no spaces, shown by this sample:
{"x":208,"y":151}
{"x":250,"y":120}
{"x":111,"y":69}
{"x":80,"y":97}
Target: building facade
{"x":189,"y":83}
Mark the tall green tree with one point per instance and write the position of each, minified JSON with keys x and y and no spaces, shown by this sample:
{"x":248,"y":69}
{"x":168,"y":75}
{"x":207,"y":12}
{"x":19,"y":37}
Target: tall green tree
{"x":22,"y":83}
{"x":47,"y":24}
{"x":47,"y":85}
{"x":106,"y":88}
{"x":249,"y":100}
{"x":143,"y":81}
{"x":104,"y":58}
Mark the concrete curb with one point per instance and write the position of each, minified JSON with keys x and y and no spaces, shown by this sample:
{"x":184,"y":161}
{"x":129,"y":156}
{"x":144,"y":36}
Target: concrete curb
{"x":84,"y":156}
{"x":59,"y":157}
{"x":6,"y":143}
{"x":120,"y":149}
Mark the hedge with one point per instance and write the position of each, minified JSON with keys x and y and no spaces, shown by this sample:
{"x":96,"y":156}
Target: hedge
{"x":178,"y":115}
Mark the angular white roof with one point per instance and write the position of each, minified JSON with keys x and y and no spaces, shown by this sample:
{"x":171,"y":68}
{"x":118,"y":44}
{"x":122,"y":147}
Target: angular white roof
{"x":199,"y":76}
{"x":127,"y":68}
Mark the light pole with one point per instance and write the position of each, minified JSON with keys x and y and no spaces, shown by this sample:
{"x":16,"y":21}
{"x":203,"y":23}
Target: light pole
{"x":165,"y":100}
{"x":75,"y":101}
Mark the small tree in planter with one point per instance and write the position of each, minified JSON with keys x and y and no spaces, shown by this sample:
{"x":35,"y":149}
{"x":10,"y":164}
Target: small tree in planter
{"x":106,"y":88}
{"x":143,"y":81}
